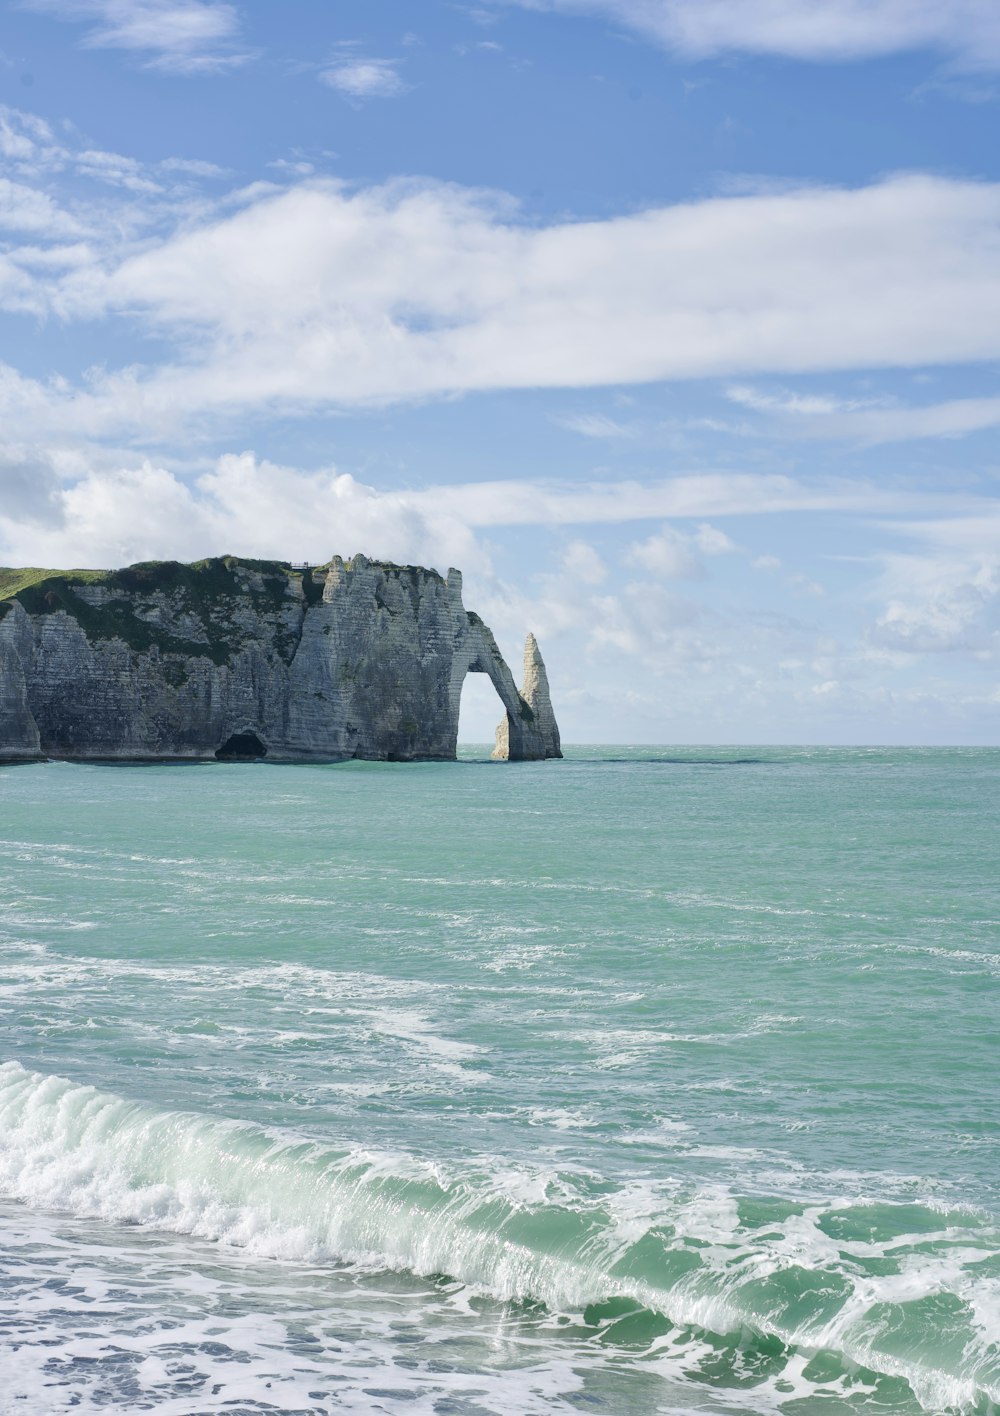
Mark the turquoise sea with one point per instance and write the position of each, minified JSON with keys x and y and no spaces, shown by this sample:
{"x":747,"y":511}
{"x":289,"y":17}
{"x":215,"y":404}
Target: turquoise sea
{"x":648,"y":1081}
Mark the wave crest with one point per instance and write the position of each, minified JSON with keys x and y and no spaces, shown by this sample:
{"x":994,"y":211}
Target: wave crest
{"x":816,"y":1281}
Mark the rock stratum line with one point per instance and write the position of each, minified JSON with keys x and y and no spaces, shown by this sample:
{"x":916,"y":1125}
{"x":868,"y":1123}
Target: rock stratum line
{"x":241,"y":659}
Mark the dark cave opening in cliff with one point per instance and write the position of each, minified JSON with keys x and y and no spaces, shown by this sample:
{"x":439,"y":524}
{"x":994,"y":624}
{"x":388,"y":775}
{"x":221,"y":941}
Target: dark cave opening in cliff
{"x":242,"y":747}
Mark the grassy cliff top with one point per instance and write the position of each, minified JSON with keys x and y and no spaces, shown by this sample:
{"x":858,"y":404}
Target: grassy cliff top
{"x":12,"y":582}
{"x":208,"y":589}
{"x":143,"y":576}
{"x":203,"y":576}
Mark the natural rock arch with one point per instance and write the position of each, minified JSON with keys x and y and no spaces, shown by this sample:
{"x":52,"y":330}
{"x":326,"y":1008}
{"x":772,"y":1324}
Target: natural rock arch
{"x":236,"y":660}
{"x":528,"y":730}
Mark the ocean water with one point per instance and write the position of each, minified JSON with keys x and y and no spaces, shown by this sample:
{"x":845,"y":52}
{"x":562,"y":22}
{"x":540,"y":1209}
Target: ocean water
{"x":647,"y":1081}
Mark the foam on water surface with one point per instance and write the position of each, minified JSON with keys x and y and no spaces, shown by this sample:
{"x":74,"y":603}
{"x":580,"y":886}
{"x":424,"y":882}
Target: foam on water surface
{"x":625,"y":1085}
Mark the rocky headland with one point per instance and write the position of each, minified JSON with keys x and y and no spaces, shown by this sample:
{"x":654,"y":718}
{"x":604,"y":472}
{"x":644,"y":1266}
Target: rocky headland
{"x":241,"y":659}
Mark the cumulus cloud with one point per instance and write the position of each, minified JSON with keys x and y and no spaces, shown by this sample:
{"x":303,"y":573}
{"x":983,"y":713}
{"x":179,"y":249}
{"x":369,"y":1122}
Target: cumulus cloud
{"x":179,"y":36}
{"x":103,"y":508}
{"x":582,"y":562}
{"x":109,"y":513}
{"x":956,"y":614}
{"x":319,"y":295}
{"x":669,"y":554}
{"x":110,"y":517}
{"x":819,"y":30}
{"x":358,"y":78}
{"x":668,"y":632}
{"x":943,"y":596}
{"x":677,"y":555}
{"x":711,"y":541}
{"x":651,"y":622}
{"x":322,"y":296}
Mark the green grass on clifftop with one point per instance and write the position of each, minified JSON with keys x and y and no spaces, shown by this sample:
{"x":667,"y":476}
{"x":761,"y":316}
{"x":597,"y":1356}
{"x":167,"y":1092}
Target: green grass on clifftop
{"x":209,"y":590}
{"x":13,"y":581}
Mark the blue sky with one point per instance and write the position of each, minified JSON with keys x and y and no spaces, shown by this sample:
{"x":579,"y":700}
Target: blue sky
{"x":674,"y":323}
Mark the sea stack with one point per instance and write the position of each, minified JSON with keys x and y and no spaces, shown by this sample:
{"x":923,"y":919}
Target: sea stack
{"x":238,"y":659}
{"x":539,"y":733}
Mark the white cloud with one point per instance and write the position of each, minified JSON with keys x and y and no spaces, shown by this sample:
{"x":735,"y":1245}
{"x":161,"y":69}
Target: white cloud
{"x":711,"y":541}
{"x":692,"y":496}
{"x":944,"y":596}
{"x":27,"y":209}
{"x":180,"y":36}
{"x":951,"y":419}
{"x":594,"y":425}
{"x":109,"y":513}
{"x":669,"y":554}
{"x":27,"y":144}
{"x":365,"y":78}
{"x":53,"y":258}
{"x":870,"y":421}
{"x":831,"y":30}
{"x":15,"y":143}
{"x":320,"y":296}
{"x":244,"y":506}
{"x":139,"y":200}
{"x":194,"y":167}
{"x":316,"y":295}
{"x":747,"y":671}
{"x":666,"y":632}
{"x":293,"y":167}
{"x":115,"y":170}
{"x":955,"y":616}
{"x":28,"y":481}
{"x":803,"y":585}
{"x":582,"y":562}
{"x":676,"y":555}
{"x":796,"y":405}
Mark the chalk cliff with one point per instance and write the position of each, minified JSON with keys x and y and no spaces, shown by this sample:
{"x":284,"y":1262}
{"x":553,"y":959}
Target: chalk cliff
{"x":535,"y":695}
{"x":239,"y":658}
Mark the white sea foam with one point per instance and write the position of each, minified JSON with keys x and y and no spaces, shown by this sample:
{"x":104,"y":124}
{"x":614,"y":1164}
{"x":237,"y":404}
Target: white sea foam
{"x":767,"y":968}
{"x":502,"y":1231}
{"x":414,"y":1027}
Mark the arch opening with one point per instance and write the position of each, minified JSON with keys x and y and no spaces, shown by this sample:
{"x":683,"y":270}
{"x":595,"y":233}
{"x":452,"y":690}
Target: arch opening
{"x":242,"y":747}
{"x":480,"y":707}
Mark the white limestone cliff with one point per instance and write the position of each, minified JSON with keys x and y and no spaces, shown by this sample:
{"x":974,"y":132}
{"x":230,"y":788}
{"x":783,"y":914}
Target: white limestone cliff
{"x":539,"y":724}
{"x":249,"y":659}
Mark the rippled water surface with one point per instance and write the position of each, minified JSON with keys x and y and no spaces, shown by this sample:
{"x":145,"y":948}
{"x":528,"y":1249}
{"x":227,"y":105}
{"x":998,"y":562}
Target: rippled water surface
{"x":648,"y":1081}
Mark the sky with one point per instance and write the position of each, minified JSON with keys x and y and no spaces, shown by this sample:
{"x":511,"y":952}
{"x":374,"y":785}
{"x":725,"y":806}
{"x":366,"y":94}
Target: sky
{"x":674,"y":324}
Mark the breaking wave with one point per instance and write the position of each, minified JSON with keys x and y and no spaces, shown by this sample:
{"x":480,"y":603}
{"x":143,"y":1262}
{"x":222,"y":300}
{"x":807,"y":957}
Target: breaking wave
{"x":904,"y":1291}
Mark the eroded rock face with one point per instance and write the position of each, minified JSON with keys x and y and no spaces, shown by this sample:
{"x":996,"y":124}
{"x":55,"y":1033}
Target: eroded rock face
{"x":535,"y":734}
{"x":163,"y":661}
{"x":18,"y":729}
